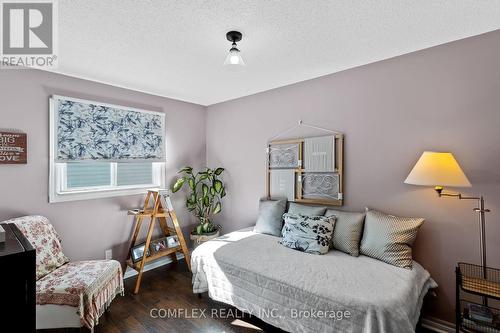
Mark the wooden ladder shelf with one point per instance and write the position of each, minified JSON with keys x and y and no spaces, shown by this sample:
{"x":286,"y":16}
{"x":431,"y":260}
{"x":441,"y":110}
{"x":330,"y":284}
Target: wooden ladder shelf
{"x":156,"y":212}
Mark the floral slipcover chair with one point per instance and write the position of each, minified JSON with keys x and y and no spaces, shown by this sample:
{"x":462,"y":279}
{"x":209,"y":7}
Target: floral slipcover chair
{"x":89,"y":286}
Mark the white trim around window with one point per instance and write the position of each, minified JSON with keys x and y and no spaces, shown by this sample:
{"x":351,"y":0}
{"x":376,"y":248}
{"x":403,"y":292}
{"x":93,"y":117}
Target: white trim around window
{"x":59,"y":192}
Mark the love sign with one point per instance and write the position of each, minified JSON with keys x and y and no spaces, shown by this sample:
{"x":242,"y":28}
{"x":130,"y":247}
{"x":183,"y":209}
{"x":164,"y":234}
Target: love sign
{"x":13,"y":148}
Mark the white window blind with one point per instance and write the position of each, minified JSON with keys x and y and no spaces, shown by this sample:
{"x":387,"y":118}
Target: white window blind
{"x":102,"y":174}
{"x":134,"y":173}
{"x":84,"y":175}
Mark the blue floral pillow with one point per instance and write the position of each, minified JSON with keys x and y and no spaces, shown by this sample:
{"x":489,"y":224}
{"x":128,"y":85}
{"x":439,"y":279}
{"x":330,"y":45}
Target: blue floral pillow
{"x":310,"y":234}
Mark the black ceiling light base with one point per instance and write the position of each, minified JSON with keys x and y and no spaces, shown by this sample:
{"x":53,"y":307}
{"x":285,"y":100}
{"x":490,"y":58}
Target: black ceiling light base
{"x":234,"y":36}
{"x":234,"y":57}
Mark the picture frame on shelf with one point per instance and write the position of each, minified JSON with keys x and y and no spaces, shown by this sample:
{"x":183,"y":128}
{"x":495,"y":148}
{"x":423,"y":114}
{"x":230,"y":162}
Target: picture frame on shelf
{"x":173,"y":241}
{"x":137,"y":252}
{"x":158,"y":245}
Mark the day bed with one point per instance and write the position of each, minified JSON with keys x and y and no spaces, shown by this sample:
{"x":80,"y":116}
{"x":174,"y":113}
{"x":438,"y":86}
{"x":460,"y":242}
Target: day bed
{"x":68,"y":294}
{"x":288,"y":288}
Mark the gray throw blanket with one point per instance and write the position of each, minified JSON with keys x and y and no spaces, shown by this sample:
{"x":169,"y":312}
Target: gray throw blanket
{"x":300,"y":292}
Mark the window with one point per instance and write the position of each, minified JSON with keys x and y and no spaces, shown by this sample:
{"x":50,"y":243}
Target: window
{"x":99,"y":150}
{"x":89,"y":175}
{"x":88,"y":180}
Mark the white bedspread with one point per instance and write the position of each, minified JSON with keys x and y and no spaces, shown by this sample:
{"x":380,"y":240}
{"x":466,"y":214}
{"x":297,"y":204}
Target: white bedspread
{"x":285,"y":287}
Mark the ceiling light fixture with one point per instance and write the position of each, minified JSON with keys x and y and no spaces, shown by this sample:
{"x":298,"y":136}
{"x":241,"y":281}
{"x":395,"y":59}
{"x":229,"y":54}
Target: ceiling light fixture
{"x":234,"y":57}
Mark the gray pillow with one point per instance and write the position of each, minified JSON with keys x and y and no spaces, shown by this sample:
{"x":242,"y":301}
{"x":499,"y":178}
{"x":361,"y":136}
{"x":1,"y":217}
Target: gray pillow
{"x":270,"y":217}
{"x":348,"y":231}
{"x":296,"y":208}
{"x":310,"y":234}
{"x":389,"y":238}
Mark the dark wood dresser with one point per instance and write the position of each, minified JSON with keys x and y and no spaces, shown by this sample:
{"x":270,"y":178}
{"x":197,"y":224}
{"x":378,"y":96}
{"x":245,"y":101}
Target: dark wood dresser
{"x":17,"y":281}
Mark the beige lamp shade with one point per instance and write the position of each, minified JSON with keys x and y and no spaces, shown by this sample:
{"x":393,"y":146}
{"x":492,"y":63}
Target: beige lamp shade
{"x":437,"y":169}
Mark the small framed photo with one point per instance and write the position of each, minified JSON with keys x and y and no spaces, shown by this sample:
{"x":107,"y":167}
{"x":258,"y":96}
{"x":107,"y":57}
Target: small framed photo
{"x":137,"y":252}
{"x":165,"y":200}
{"x":173,"y":241}
{"x":158,"y":245}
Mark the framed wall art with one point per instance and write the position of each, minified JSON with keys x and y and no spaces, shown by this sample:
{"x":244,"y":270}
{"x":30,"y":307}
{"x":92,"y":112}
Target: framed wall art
{"x":284,"y":155}
{"x":320,"y":185}
{"x":13,"y":148}
{"x":307,"y":169}
{"x":282,"y":184}
{"x":319,"y":154}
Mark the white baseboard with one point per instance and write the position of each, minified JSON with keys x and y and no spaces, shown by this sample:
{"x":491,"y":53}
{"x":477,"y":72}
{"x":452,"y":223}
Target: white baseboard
{"x":152,"y":265}
{"x":438,"y":325}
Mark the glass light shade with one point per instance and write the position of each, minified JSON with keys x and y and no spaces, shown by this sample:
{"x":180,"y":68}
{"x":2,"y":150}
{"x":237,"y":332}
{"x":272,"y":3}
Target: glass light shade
{"x":437,"y":169}
{"x":234,"y":58}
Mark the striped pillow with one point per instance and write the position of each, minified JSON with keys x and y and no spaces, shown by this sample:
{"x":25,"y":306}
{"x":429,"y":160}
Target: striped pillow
{"x":389,"y":238}
{"x":348,"y":230}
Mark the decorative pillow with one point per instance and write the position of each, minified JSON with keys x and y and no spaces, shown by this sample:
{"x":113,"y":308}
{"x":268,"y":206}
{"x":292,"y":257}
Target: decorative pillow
{"x":270,"y":219}
{"x":389,"y":238}
{"x":296,"y":208}
{"x":44,"y":238}
{"x":311,"y":234}
{"x":348,"y":230}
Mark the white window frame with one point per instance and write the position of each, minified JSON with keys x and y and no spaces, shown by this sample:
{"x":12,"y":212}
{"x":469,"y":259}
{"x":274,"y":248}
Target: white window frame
{"x":58,"y":191}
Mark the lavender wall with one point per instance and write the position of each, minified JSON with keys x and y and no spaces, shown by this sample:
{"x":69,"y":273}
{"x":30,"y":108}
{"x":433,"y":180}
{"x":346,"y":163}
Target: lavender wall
{"x":445,"y":98}
{"x":87,"y":227}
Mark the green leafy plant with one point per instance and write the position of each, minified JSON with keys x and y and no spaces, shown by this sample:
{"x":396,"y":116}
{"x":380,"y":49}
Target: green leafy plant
{"x":206,"y":191}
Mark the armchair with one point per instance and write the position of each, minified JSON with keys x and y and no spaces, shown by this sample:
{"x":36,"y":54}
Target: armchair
{"x":68,"y":294}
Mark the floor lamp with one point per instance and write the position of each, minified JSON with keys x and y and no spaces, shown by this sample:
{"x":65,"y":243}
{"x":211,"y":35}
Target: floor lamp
{"x":439,"y":170}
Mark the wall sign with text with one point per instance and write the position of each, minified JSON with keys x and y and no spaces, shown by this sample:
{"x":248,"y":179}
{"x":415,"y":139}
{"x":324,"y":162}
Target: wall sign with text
{"x":13,"y":148}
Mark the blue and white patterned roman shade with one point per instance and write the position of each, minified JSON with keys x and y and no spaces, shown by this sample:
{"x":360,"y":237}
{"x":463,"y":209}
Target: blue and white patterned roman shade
{"x":93,"y":131}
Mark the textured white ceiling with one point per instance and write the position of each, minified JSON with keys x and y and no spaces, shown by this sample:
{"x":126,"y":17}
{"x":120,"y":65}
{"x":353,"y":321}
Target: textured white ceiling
{"x":176,"y":48}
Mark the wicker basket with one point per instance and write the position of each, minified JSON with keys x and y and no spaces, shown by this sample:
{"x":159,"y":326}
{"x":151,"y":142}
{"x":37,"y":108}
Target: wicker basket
{"x":480,"y":281}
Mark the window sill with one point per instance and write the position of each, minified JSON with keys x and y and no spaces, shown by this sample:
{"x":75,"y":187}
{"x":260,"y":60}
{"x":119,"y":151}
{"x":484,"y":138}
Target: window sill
{"x":98,"y":193}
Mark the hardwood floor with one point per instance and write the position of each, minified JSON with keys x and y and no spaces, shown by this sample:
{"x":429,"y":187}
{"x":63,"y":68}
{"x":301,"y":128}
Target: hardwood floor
{"x":169,"y":287}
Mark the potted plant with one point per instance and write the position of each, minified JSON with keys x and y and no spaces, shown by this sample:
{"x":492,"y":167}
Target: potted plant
{"x":206,"y":191}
